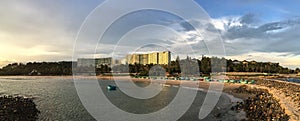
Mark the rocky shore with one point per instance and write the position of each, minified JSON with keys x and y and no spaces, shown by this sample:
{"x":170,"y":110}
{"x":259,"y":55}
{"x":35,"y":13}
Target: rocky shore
{"x":288,"y":94}
{"x":288,"y":89}
{"x":263,"y":106}
{"x":17,"y":109}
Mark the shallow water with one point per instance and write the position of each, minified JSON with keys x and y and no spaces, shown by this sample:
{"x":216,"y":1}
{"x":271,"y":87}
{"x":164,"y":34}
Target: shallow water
{"x":294,"y":80}
{"x":297,"y":80}
{"x":57,"y":98}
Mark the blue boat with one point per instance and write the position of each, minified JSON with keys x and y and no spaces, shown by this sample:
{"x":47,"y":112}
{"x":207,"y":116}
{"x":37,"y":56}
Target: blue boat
{"x":111,"y":87}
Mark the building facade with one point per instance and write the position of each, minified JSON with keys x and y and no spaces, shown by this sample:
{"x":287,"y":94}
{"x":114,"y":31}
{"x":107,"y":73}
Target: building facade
{"x":95,"y":62}
{"x":150,"y":58}
{"x":85,"y":62}
{"x":164,"y":57}
{"x":153,"y":58}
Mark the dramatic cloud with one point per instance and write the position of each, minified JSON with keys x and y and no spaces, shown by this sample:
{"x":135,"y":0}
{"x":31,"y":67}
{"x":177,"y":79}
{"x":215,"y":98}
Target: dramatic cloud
{"x":242,"y":37}
{"x":45,"y":31}
{"x":39,"y":30}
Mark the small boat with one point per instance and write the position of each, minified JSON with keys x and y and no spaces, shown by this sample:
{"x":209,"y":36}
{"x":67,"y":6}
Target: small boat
{"x":111,"y":87}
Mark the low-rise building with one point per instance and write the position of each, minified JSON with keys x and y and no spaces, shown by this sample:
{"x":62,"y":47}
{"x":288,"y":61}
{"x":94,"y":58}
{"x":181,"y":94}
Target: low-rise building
{"x":95,"y":62}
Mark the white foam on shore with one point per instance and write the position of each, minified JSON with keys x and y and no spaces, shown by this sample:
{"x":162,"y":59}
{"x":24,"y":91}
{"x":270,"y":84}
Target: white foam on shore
{"x":193,"y":88}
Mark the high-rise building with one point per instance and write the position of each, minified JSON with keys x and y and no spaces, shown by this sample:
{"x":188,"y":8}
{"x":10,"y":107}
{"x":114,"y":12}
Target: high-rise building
{"x":131,"y":59}
{"x":150,"y":58}
{"x":164,"y":57}
{"x":143,"y":58}
{"x":153,"y":58}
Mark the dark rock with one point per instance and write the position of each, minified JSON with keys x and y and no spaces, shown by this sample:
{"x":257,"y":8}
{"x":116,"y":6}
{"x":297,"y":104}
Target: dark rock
{"x":288,"y":89}
{"x":263,"y":106}
{"x":17,"y":109}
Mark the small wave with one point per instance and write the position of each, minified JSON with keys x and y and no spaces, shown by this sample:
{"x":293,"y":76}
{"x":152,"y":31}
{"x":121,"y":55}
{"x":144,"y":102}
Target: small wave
{"x":193,"y":88}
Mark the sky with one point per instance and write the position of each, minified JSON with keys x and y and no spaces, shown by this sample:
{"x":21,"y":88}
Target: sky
{"x":46,"y":30}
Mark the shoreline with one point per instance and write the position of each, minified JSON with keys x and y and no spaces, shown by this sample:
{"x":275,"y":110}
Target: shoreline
{"x":228,"y":89}
{"x":287,"y":93}
{"x":277,"y":88}
{"x":137,"y":79}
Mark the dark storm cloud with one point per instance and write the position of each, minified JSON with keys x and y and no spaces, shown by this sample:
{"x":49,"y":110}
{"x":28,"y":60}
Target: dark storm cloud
{"x":246,"y":31}
{"x":281,"y":37}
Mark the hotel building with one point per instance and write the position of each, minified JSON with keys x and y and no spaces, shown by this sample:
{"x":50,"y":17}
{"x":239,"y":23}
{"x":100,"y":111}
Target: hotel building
{"x":150,"y":58}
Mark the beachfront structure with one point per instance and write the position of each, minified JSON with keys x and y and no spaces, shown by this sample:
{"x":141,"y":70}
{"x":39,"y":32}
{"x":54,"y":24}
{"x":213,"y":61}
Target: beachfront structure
{"x":164,"y":57}
{"x":136,"y":58}
{"x":95,"y":62}
{"x":150,"y":58}
{"x":153,"y":58}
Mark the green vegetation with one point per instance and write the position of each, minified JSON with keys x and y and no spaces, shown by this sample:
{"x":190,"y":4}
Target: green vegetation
{"x":188,"y":66}
{"x":176,"y":68}
{"x":38,"y":68}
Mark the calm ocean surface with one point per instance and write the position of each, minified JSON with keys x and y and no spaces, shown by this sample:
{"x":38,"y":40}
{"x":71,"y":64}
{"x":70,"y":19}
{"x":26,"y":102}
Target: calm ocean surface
{"x":57,"y":99}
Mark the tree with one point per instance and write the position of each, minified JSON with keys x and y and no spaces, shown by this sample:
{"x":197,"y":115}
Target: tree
{"x":297,"y":70}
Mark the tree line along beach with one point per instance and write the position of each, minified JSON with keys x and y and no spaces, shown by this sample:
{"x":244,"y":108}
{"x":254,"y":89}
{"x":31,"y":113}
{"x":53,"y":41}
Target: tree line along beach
{"x":204,"y":66}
